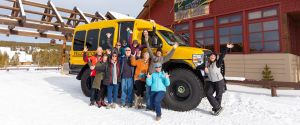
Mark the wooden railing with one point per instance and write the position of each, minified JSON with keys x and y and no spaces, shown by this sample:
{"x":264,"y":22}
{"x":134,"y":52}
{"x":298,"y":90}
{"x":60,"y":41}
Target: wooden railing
{"x":33,"y":68}
{"x":273,"y":85}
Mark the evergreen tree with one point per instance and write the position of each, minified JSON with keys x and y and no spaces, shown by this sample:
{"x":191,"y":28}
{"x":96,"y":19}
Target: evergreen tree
{"x":267,"y":74}
{"x":14,"y":60}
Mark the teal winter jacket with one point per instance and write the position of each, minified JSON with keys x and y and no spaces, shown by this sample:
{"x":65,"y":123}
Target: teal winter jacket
{"x":158,"y":81}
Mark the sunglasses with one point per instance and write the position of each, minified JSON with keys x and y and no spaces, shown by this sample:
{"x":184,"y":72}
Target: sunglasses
{"x":128,"y":50}
{"x":158,"y":67}
{"x":118,"y":45}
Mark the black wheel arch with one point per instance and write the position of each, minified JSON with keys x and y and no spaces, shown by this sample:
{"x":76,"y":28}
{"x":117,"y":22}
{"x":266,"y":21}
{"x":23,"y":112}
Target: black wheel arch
{"x":79,"y":75}
{"x":174,"y":64}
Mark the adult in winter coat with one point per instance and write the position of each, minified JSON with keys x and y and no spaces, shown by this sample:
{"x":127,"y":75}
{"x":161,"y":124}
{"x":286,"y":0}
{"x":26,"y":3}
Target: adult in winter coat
{"x":158,"y":57}
{"x":141,"y":70}
{"x":216,"y":84}
{"x":97,"y":86}
{"x":112,"y":79}
{"x":158,"y":81}
{"x":135,"y":47}
{"x":117,"y":49}
{"x":92,"y":61}
{"x":127,"y":72}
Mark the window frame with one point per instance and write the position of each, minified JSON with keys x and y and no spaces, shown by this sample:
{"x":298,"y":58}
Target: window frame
{"x":112,"y":36}
{"x":262,"y":20}
{"x":83,"y":41}
{"x":203,"y":29}
{"x":98,"y":40}
{"x":228,"y":25}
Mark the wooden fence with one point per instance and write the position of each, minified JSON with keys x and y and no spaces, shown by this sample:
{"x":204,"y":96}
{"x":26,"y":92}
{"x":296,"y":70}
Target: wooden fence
{"x":273,"y":85}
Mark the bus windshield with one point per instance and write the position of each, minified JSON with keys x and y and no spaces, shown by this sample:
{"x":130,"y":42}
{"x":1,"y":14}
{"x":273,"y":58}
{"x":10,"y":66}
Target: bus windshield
{"x":171,"y":38}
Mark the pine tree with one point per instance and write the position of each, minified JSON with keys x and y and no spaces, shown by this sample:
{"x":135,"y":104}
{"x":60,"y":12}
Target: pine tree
{"x":14,"y":60}
{"x":267,"y":74}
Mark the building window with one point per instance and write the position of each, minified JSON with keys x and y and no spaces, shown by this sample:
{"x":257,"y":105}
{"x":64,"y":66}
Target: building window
{"x":205,"y":39}
{"x":264,"y":36}
{"x":204,"y":35}
{"x":185,"y":36}
{"x":262,"y":13}
{"x":182,"y":27}
{"x":182,"y":30}
{"x":230,"y":19}
{"x":205,"y":23}
{"x":232,"y":34}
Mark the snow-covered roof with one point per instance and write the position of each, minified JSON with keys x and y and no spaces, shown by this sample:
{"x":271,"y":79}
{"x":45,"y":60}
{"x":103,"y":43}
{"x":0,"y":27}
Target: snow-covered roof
{"x":116,"y":15}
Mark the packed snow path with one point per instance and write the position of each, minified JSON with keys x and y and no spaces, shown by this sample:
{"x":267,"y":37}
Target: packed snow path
{"x":48,"y":98}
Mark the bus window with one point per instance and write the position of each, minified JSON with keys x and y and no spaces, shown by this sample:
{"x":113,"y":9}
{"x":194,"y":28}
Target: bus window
{"x":154,"y":38}
{"x":106,"y":43}
{"x":92,"y":39}
{"x":79,"y":41}
{"x":124,"y":34}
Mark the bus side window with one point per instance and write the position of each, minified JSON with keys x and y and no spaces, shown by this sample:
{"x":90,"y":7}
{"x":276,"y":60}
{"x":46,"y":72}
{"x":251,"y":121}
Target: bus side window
{"x":154,"y":38}
{"x":79,"y":40}
{"x":92,"y":39}
{"x":124,"y":34}
{"x":106,"y":43}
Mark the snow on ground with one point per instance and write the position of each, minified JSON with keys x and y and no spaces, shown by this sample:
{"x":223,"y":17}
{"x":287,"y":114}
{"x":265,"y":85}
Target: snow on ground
{"x":47,"y":98}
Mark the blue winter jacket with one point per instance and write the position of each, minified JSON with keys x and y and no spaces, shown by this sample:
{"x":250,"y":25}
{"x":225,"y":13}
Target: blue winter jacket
{"x":158,"y":81}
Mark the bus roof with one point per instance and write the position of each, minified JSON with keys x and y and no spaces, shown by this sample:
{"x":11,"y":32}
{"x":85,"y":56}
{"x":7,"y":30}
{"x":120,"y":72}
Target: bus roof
{"x":139,"y":24}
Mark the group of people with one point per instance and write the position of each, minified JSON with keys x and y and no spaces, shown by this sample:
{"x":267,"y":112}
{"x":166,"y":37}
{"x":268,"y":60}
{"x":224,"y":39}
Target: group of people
{"x":138,"y":74}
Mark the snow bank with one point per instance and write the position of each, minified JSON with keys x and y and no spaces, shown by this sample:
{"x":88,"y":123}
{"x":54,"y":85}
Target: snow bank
{"x":47,"y":98}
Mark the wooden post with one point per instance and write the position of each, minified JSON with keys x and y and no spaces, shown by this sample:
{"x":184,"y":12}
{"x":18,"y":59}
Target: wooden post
{"x":63,"y":54}
{"x":273,"y":91}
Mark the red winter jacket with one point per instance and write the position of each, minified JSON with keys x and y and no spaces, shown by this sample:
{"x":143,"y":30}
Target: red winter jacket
{"x":93,"y":59}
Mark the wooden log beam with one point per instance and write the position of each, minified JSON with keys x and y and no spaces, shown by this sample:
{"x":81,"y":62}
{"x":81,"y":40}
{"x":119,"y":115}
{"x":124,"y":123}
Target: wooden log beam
{"x":33,"y":25}
{"x":22,"y":12}
{"x":32,"y":34}
{"x":58,"y":16}
{"x":81,"y":14}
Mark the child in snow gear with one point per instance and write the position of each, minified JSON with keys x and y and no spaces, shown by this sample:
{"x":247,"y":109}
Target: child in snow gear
{"x":158,"y":81}
{"x":216,"y":80}
{"x":158,"y":58}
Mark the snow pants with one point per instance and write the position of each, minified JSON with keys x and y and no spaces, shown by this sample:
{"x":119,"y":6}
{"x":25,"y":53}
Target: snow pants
{"x":219,"y":88}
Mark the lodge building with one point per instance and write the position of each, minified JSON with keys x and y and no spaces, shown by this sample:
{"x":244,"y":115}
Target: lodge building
{"x":263,"y":31}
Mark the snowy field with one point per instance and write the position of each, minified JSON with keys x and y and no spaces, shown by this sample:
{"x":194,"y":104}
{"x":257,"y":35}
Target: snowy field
{"x":49,"y":98}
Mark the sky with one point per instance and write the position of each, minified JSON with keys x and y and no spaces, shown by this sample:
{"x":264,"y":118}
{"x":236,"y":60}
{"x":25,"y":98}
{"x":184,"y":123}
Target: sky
{"x":131,"y":7}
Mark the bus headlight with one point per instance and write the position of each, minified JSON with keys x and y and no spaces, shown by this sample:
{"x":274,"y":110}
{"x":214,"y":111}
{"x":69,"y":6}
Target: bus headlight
{"x":198,"y":59}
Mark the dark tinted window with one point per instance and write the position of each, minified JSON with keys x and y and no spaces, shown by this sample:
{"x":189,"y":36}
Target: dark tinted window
{"x":92,"y":39}
{"x":104,"y":42}
{"x":79,"y":41}
{"x":124,"y":34}
{"x":151,"y":42}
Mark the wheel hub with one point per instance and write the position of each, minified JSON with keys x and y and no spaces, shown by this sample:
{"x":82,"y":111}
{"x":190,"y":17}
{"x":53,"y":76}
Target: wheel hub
{"x":181,"y":89}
